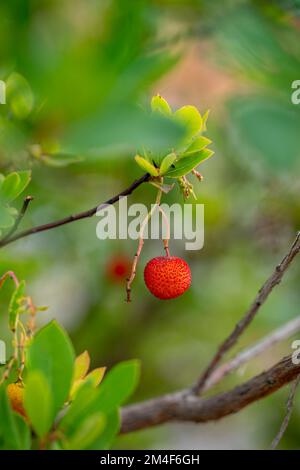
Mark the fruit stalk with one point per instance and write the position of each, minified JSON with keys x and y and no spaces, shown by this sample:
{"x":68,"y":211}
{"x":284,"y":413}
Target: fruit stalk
{"x":140,"y":245}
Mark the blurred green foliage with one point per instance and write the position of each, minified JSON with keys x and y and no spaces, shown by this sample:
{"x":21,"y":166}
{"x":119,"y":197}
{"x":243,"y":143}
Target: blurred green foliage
{"x":85,"y":72}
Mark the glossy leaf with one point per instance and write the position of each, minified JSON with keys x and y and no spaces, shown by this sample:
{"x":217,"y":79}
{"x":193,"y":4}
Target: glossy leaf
{"x":85,"y":403}
{"x":9,"y":187}
{"x":204,"y":120}
{"x":198,"y":144}
{"x":119,"y":384}
{"x":96,"y":376}
{"x":146,"y":166}
{"x":25,"y":177}
{"x":187,"y":164}
{"x":112,"y":426}
{"x":159,"y":104}
{"x":93,"y":378}
{"x":13,"y":185}
{"x":51,"y":353}
{"x":167,"y":162}
{"x":87,"y":433}
{"x":190,"y":118}
{"x":23,"y":431}
{"x":82,"y":365}
{"x":38,"y":402}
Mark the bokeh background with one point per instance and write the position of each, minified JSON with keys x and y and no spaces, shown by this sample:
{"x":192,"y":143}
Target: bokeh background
{"x":87,"y":64}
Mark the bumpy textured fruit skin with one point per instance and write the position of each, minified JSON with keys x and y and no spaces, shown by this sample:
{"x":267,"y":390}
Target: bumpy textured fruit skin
{"x":16,"y":396}
{"x":167,"y":277}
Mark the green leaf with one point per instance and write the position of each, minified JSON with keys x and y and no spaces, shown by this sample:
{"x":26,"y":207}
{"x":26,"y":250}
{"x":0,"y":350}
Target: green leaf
{"x":96,"y":376}
{"x":38,"y":402}
{"x":198,"y":144}
{"x":25,"y":177}
{"x":167,"y":162}
{"x":204,"y":120}
{"x":187,"y":164}
{"x":59,"y":160}
{"x":19,"y":96}
{"x":82,"y":365}
{"x":6,"y":219}
{"x":159,"y":104}
{"x":123,"y":128}
{"x":86,"y":403}
{"x":13,"y":432}
{"x":13,"y":185}
{"x":253,"y":119}
{"x":9,"y":187}
{"x":15,"y":305}
{"x":112,"y":427}
{"x":118,"y":385}
{"x":190,"y":118}
{"x":88,"y":432}
{"x":23,"y":431}
{"x":146,"y":166}
{"x":51,"y":353}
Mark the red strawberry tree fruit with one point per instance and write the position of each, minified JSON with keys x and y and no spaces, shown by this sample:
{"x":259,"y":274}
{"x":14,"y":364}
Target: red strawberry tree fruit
{"x":168,"y":277}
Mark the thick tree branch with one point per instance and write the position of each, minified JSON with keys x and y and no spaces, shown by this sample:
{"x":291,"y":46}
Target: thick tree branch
{"x":276,"y":336}
{"x":72,"y":218}
{"x":261,"y":297}
{"x":184,"y":406}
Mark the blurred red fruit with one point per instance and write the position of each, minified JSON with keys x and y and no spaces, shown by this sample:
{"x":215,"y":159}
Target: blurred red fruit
{"x":118,"y":268}
{"x":167,"y":277}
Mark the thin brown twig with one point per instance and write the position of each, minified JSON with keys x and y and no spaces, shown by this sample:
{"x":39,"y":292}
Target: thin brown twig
{"x":13,"y":360}
{"x":8,"y":369}
{"x":33,"y":311}
{"x":21,"y":214}
{"x":10,"y":274}
{"x":167,"y":238}
{"x":22,"y":356}
{"x":140,"y":246}
{"x":289,"y":408}
{"x":261,"y":297}
{"x":75,"y":217}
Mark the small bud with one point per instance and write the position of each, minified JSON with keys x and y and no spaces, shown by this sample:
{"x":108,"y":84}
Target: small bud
{"x":198,"y":175}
